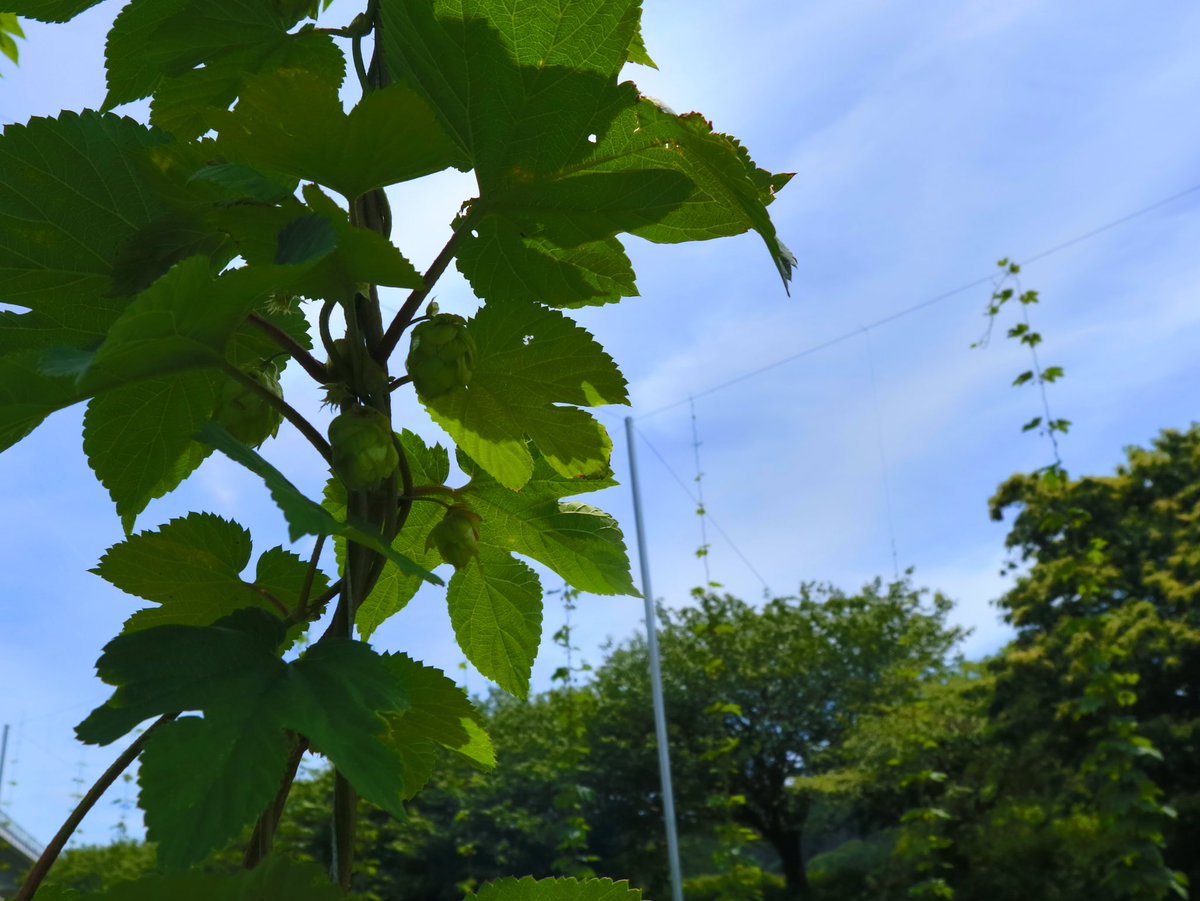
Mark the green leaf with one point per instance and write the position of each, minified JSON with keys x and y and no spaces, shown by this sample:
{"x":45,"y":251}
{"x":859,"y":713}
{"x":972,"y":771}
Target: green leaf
{"x":440,"y":712}
{"x":275,"y":878}
{"x":291,"y":122}
{"x":304,"y":516}
{"x":73,"y":190}
{"x":505,"y":266}
{"x":28,"y":396}
{"x":49,"y":10}
{"x":531,"y":360}
{"x":183,"y":321}
{"x":191,"y":567}
{"x":580,"y":543}
{"x":514,"y":85}
{"x":496,"y":611}
{"x":730,"y":194}
{"x":186,"y":104}
{"x":304,"y":240}
{"x":203,"y":780}
{"x":10,"y":27}
{"x":153,"y":39}
{"x":138,"y":438}
{"x":567,"y":889}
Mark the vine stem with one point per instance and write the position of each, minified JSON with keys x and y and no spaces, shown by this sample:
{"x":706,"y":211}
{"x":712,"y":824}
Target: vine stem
{"x":290,"y":413}
{"x":42,"y":868}
{"x":307,"y":361}
{"x":405,"y":315}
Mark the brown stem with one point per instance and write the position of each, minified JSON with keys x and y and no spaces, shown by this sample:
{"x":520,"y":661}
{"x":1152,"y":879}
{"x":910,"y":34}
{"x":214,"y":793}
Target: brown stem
{"x":274,"y":601}
{"x":40,"y":869}
{"x":404,"y":317}
{"x":290,"y":413}
{"x":263,"y":838}
{"x":307,"y":361}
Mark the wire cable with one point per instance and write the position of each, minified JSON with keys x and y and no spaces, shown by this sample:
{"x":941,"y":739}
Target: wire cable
{"x":695,"y":500}
{"x":908,"y":311}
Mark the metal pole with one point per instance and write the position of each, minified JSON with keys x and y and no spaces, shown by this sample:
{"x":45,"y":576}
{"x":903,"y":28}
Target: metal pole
{"x":660,"y":715}
{"x":3,"y":756}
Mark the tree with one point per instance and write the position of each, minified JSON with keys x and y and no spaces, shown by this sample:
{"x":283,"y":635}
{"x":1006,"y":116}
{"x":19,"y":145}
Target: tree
{"x":759,"y":700}
{"x":1106,"y":664}
{"x":165,"y":277}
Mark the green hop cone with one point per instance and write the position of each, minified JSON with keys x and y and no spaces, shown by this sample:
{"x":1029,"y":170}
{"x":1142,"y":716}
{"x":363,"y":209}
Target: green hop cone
{"x":245,"y":414}
{"x":456,"y":537}
{"x":441,"y":356}
{"x":364,"y":452}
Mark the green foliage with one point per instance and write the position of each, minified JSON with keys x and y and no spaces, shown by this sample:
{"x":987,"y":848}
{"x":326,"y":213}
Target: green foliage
{"x":166,"y":277}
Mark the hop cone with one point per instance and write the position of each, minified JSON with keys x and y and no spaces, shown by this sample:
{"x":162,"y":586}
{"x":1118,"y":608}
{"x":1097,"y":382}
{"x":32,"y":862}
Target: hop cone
{"x":456,"y":537}
{"x":441,"y":356}
{"x":247,"y":415}
{"x":364,"y":452}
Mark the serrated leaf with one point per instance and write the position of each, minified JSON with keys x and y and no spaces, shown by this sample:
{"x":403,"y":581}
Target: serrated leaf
{"x":138,"y":438}
{"x":73,"y":190}
{"x":275,"y":878}
{"x":441,"y":712}
{"x":531,"y":360}
{"x":505,"y":266}
{"x":564,"y":889}
{"x":730,"y":194}
{"x":496,"y":611}
{"x":185,"y":104}
{"x":304,"y":516}
{"x":580,"y":543}
{"x":514,"y":86}
{"x":203,"y":780}
{"x":191,"y":567}
{"x":153,"y":39}
{"x":292,"y":122}
{"x":305,"y":240}
{"x":284,"y":575}
{"x":49,"y":10}
{"x":28,"y":395}
{"x":183,"y":321}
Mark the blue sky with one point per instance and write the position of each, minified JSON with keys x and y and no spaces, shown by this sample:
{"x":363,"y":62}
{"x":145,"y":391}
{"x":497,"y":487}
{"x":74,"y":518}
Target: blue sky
{"x":929,"y":140}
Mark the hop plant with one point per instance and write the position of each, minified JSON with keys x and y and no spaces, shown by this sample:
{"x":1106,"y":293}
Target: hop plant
{"x":364,"y":451}
{"x":441,"y":356}
{"x":244,"y":413}
{"x":456,"y":537}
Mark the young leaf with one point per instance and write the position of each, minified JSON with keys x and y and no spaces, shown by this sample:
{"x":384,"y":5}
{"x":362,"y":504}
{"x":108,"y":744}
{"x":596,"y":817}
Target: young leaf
{"x":530,"y":889}
{"x":291,"y":122}
{"x":531,"y":360}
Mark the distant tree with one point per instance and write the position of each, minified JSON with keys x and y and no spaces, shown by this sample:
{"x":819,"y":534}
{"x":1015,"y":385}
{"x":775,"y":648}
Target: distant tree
{"x":759,"y":699}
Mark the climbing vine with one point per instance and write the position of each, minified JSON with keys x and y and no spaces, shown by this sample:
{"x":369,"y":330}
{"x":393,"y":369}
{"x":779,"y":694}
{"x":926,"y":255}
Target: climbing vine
{"x":166,"y":273}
